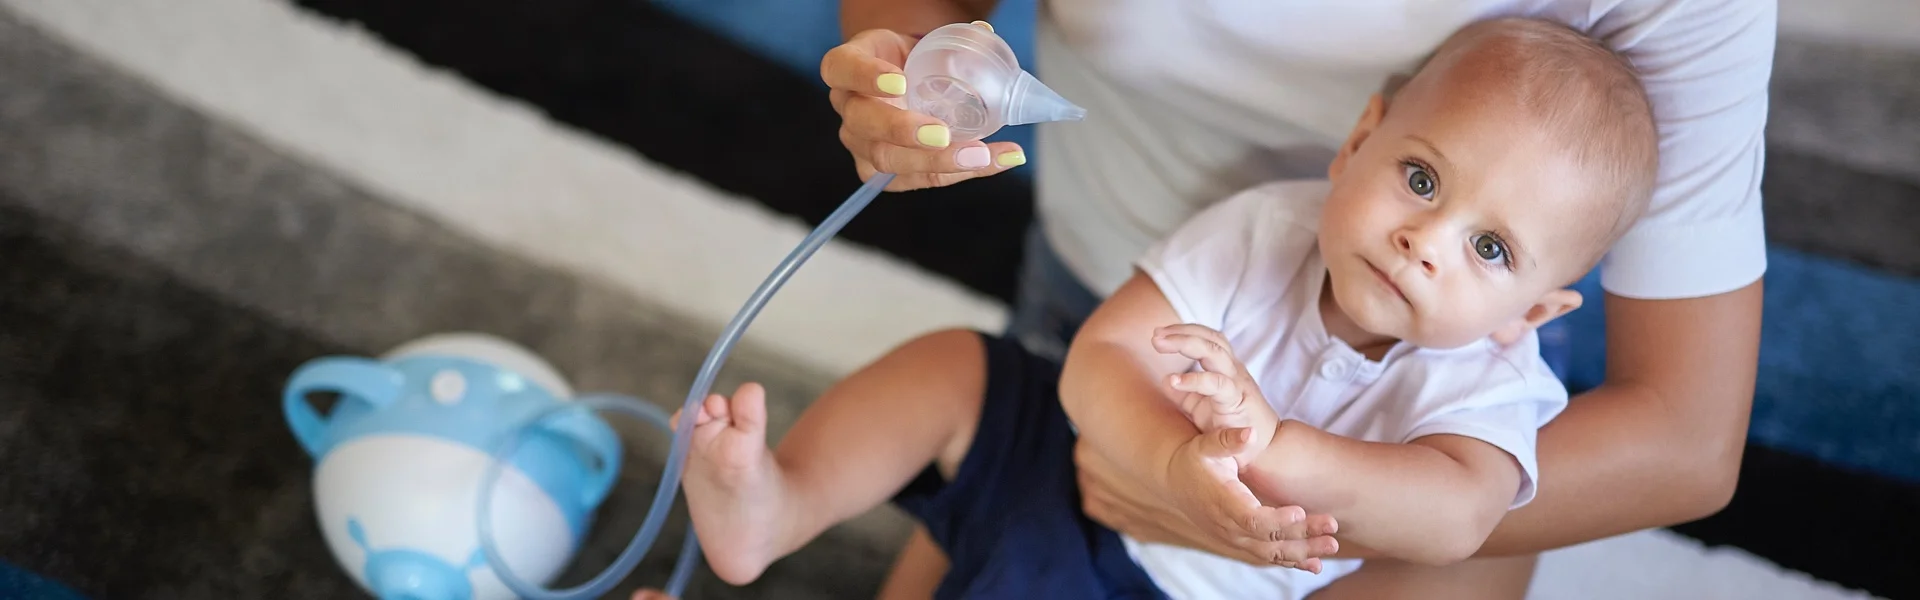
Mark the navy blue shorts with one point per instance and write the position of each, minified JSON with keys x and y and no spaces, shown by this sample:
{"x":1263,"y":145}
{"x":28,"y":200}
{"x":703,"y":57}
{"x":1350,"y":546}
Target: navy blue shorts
{"x":1010,"y":521}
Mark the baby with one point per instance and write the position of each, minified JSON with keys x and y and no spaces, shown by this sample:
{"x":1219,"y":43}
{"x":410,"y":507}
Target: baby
{"x":1361,"y":348}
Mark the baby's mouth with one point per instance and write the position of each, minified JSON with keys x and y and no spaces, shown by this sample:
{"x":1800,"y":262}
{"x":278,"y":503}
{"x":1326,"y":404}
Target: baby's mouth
{"x":1388,"y":281}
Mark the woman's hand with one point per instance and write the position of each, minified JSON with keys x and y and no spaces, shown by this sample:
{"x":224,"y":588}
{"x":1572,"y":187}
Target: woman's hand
{"x":1204,"y":506}
{"x":869,"y":90}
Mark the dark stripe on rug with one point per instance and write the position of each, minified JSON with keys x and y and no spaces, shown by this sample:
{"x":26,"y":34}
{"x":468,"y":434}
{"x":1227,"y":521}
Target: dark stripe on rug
{"x":1853,"y":528}
{"x":142,"y":451}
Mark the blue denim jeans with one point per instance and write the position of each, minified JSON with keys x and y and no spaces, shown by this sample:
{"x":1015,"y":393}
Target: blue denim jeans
{"x":1051,"y":304}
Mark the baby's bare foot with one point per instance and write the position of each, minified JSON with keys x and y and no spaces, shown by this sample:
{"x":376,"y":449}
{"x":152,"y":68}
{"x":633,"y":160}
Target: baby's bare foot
{"x":733,"y":485}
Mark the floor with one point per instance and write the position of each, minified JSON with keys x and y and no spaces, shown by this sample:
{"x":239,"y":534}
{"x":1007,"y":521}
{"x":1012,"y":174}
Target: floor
{"x":181,"y":179}
{"x":165,"y":272}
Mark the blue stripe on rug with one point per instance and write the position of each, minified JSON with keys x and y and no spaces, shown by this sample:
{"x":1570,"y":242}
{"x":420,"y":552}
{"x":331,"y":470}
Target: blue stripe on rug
{"x":1837,"y":380}
{"x":20,"y":583}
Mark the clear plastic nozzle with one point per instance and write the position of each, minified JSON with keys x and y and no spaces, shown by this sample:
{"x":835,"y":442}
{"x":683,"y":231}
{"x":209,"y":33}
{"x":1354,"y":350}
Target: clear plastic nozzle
{"x":966,"y":76}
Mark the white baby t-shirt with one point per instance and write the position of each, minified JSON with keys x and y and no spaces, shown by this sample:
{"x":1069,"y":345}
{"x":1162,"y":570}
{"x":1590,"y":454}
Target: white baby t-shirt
{"x":1250,"y":268}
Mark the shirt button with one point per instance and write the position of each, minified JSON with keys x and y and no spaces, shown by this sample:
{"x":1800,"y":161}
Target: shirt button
{"x":1333,"y":369}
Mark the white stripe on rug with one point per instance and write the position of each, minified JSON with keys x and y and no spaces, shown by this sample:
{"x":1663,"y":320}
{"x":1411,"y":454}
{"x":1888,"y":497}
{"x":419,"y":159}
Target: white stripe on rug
{"x":496,"y":169}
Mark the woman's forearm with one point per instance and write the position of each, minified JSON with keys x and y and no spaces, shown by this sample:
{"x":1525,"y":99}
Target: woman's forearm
{"x":1614,"y":463}
{"x":1660,"y":443}
{"x":909,"y":16}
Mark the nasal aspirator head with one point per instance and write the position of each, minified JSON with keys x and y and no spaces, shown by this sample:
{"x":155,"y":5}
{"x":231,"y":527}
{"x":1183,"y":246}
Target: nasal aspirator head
{"x":966,"y":76}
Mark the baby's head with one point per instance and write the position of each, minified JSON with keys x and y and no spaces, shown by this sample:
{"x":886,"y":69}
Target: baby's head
{"x":1492,"y":180}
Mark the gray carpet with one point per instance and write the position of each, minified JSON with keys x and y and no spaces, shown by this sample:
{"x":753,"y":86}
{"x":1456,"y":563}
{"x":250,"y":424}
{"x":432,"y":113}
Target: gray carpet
{"x":1843,"y":160}
{"x":163,"y":273}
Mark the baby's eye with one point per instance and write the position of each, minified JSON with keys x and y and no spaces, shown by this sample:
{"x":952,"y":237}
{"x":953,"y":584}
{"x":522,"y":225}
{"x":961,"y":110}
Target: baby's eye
{"x":1419,"y":180}
{"x":1489,"y":248}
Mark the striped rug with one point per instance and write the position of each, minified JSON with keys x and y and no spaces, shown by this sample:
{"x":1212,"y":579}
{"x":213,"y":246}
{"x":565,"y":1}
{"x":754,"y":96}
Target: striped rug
{"x":197,"y":195}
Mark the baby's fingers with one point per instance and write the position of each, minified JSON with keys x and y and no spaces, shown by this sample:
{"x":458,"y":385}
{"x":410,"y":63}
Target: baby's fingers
{"x":1223,"y":391}
{"x":1214,"y":356}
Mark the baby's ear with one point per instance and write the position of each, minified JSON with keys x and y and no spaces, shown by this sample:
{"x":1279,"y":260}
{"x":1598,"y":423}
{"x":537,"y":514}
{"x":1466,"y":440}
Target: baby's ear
{"x":1376,"y":109}
{"x":1551,"y":305}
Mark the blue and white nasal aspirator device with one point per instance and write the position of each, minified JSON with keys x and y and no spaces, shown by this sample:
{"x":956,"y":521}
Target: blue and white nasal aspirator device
{"x":459,"y":466}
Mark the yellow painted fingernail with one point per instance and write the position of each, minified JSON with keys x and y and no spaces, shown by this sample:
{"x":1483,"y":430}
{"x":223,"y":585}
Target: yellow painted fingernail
{"x":933,"y":136}
{"x":984,"y":24}
{"x":892,"y":83}
{"x":1012,"y":159}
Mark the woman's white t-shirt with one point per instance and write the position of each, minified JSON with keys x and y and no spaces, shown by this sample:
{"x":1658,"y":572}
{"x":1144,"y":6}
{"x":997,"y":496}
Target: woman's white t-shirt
{"x":1189,"y":101}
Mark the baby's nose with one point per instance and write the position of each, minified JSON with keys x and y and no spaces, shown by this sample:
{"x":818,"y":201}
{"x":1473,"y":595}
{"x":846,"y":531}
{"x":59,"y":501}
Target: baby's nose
{"x":1413,"y":247}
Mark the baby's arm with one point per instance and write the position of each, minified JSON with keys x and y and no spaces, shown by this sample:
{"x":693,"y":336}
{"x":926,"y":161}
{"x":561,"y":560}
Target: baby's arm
{"x":1115,"y":383}
{"x":1111,"y":387}
{"x":1432,"y":500}
{"x":1113,"y":390}
{"x":1222,"y":394}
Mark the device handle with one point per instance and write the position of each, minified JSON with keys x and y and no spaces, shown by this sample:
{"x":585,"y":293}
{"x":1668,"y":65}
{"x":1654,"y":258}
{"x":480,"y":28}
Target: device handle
{"x":355,"y":379}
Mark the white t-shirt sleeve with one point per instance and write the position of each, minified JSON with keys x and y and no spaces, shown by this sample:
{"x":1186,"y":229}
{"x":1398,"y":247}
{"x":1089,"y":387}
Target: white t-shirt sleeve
{"x":1706,"y":67}
{"x":1201,"y":264}
{"x":1506,"y":413}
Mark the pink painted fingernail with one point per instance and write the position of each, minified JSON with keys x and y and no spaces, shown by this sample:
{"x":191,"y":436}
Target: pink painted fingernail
{"x":975,"y":157}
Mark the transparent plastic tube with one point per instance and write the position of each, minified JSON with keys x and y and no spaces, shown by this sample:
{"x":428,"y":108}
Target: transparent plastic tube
{"x":676,"y":458}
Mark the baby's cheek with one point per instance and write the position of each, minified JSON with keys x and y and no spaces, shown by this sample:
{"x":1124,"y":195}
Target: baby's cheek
{"x":1453,"y":325}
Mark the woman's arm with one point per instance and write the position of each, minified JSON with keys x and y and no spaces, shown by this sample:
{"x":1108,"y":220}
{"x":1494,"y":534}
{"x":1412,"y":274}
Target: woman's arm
{"x":1660,"y":442}
{"x":909,"y":16}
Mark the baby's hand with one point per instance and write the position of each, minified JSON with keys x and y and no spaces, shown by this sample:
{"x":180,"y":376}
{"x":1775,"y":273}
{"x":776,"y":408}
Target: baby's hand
{"x":1222,"y":395}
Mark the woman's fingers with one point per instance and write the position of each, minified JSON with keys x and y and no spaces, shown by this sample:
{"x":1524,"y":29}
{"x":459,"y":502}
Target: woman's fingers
{"x":869,"y":63}
{"x":1289,"y":553}
{"x":867,"y":81}
{"x":1309,"y":527}
{"x":877,"y":120}
{"x":923,"y":169}
{"x":902,"y":160}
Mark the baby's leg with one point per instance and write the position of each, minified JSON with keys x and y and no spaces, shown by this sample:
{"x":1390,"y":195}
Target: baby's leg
{"x":852,"y":450}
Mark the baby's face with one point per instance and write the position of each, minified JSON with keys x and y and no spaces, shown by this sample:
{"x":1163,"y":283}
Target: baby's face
{"x":1450,"y":221}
